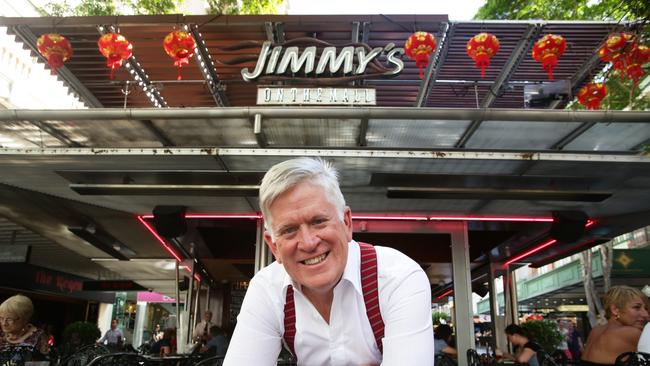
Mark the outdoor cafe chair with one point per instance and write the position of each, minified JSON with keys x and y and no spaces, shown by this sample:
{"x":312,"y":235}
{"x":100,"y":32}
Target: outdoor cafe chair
{"x":120,"y":359}
{"x":633,"y":359}
{"x":473,"y":359}
{"x":211,"y":361}
{"x":84,"y":355}
{"x":444,"y":360}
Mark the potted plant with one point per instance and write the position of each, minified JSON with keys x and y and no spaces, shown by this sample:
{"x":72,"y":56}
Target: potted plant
{"x":78,"y":334}
{"x":545,"y":332}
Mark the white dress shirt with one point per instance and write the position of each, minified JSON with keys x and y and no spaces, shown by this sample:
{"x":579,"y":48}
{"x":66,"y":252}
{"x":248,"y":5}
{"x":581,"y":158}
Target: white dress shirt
{"x":644,"y":341}
{"x":201,"y":328}
{"x":404,"y":300}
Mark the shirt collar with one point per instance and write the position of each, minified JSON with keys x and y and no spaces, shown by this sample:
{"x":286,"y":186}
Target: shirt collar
{"x":351,"y":273}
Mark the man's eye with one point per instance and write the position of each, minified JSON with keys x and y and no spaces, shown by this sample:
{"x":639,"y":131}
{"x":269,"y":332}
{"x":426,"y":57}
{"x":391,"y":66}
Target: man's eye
{"x":319,"y":221}
{"x":288,"y":231}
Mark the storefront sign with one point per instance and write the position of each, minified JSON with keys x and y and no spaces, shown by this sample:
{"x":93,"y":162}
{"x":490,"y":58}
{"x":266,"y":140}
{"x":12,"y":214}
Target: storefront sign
{"x":14,"y":253}
{"x":154,"y":297}
{"x":330,"y":64}
{"x":316,"y":96}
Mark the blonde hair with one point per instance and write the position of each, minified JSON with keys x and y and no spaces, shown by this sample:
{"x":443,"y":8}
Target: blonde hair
{"x":20,"y":305}
{"x":620,"y":296}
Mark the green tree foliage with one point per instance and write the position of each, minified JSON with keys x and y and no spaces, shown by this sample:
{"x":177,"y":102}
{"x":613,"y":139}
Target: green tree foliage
{"x":437,"y":316}
{"x":144,"y":7}
{"x":110,"y":7}
{"x":620,"y":93}
{"x":564,"y":9}
{"x":228,"y":7}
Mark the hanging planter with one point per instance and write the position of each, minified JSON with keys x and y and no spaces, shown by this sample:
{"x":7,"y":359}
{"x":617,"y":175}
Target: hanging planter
{"x":481,"y":48}
{"x":547,"y":50}
{"x":419,"y":47}
{"x":180,"y":46}
{"x":55,"y":48}
{"x":591,"y":95}
{"x":116,"y":48}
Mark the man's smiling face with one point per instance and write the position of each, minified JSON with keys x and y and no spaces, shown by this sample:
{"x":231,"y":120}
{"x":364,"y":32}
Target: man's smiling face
{"x":309,"y":238}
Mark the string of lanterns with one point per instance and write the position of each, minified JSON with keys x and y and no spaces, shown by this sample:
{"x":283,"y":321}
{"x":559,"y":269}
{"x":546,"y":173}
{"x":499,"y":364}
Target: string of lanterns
{"x":56,"y":49}
{"x":621,"y":49}
{"x":626,"y":55}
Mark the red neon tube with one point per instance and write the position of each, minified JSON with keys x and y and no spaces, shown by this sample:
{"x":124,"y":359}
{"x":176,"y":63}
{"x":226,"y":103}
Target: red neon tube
{"x":534,"y":250}
{"x":448,"y":292}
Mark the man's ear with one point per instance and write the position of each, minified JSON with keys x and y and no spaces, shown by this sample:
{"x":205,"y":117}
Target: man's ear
{"x":268,"y":238}
{"x":347,"y":221}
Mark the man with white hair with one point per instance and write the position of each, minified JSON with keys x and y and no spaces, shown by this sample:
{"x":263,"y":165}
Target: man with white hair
{"x":328,"y":298}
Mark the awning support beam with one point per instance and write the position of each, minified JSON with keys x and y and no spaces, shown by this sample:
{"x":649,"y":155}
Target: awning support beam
{"x":558,"y":116}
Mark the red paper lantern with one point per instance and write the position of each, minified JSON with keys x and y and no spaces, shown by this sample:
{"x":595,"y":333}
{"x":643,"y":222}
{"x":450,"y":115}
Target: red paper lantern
{"x":615,"y":50}
{"x":639,"y":55}
{"x":180,"y":46}
{"x":116,"y":48}
{"x":481,"y":48}
{"x":418,"y":47}
{"x":591,"y":95}
{"x":55,"y":48}
{"x":547,"y":50}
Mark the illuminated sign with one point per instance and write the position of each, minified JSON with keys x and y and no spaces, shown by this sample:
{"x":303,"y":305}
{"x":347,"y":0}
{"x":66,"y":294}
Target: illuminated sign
{"x":573,"y":308}
{"x":350,"y":63}
{"x":14,"y":253}
{"x":315,"y":96}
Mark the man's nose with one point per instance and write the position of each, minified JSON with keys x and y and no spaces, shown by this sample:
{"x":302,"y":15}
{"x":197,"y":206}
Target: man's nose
{"x":307,"y":238}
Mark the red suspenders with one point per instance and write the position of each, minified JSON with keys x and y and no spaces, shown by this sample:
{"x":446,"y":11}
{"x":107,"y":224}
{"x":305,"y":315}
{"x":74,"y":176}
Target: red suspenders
{"x":370,"y":298}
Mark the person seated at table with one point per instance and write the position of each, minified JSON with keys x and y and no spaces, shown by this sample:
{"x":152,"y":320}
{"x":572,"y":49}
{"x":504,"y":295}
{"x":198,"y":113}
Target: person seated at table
{"x":526,"y":348}
{"x":22,"y":340}
{"x":217,"y":344}
{"x":157,"y":334}
{"x":441,"y":339}
{"x":164,"y":346}
{"x":626,"y":311}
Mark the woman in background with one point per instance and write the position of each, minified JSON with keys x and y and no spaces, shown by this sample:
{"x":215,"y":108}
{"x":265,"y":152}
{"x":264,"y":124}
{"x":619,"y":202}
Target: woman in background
{"x":18,"y":338}
{"x":627,"y":313}
{"x":441,"y":339}
{"x":526,"y":348}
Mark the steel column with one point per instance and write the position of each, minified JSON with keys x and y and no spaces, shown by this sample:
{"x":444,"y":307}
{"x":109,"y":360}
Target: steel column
{"x":462,"y":291}
{"x":261,"y":249}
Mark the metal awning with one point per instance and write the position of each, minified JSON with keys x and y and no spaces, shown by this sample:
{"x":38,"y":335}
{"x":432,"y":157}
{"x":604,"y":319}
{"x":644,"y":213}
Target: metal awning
{"x":440,"y":147}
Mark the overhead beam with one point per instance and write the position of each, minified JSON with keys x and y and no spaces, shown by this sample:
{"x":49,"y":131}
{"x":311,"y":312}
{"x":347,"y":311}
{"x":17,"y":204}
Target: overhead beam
{"x":217,"y":153}
{"x":557,"y":116}
{"x":207,"y":67}
{"x":522,"y":48}
{"x":496,"y":194}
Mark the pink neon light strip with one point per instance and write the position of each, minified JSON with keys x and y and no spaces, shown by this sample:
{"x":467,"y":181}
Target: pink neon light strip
{"x":381,"y":217}
{"x":164,"y":244}
{"x":160,"y":240}
{"x":534,"y":250}
{"x":448,"y":292}
{"x":387,"y":217}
